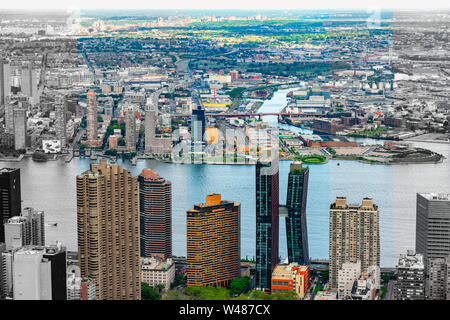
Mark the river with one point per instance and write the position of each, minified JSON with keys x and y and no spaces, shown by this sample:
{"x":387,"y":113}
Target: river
{"x":50,"y":186}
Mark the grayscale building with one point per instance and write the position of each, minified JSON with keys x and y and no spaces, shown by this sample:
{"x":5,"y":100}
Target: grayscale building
{"x":5,"y":81}
{"x":437,"y":286}
{"x":410,"y":283}
{"x":433,"y":225}
{"x":10,"y":197}
{"x":61,"y":120}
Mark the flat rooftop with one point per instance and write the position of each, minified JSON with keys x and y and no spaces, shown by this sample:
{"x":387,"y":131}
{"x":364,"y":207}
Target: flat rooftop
{"x":436,"y":196}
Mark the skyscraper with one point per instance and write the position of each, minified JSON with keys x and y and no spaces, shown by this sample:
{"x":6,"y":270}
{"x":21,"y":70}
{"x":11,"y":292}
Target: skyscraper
{"x":198,"y":125}
{"x":150,"y":119}
{"x":20,"y":128}
{"x":155,"y":196}
{"x":354,"y":235}
{"x":108,"y":231}
{"x":10,"y":197}
{"x":267,"y":226}
{"x":213,"y":242}
{"x":296,"y":228}
{"x":92,"y":117}
{"x":5,"y":81}
{"x":13,"y":102}
{"x":28,"y":80}
{"x":432,"y":225}
{"x":130,"y":128}
{"x":61,"y":119}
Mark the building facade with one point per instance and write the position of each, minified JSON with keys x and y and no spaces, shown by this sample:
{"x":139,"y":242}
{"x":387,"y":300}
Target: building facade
{"x":5,"y":81}
{"x":156,"y":272}
{"x":10,"y":197}
{"x":32,"y":279}
{"x":267,"y":225}
{"x":198,"y":125}
{"x":20,"y":128}
{"x":213,"y":242}
{"x":437,"y":285}
{"x":290,"y":278}
{"x":354,"y":235}
{"x":56,"y":254}
{"x":130,"y":128}
{"x":410,"y":283}
{"x":61,"y":120}
{"x":433,"y":225}
{"x":108,"y":231}
{"x":296,"y":226}
{"x":155,"y":196}
{"x":92,"y":118}
{"x":347,"y":275}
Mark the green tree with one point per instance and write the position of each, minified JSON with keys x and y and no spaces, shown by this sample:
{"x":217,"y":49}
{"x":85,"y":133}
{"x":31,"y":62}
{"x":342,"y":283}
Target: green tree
{"x":238,"y":285}
{"x":180,"y":280}
{"x":148,"y":293}
{"x":160,"y":288}
{"x":207,"y":293}
{"x":255,"y":295}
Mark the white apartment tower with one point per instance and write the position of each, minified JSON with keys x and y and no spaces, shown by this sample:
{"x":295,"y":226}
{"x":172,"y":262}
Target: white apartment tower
{"x":354,"y":235}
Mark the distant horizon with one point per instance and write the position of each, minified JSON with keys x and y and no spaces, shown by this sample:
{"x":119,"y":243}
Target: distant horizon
{"x":143,"y":11}
{"x":248,"y":5}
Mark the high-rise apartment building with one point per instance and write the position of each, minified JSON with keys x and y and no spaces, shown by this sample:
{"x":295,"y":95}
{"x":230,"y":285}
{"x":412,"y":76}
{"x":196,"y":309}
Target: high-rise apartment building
{"x":150,"y":127}
{"x":5,"y":81}
{"x":17,"y":233}
{"x":130,"y":128}
{"x":108,"y":231}
{"x":10,"y":197}
{"x":6,"y":284}
{"x":28,"y":80}
{"x":296,"y":228}
{"x":92,"y":117}
{"x":267,"y":226}
{"x":61,"y":119}
{"x":14,"y":102}
{"x":433,"y":225}
{"x":213,"y":242}
{"x":354,"y":235}
{"x":155,"y":194}
{"x":437,"y":285}
{"x":35,"y":219}
{"x":20,"y":128}
{"x":410,"y":283}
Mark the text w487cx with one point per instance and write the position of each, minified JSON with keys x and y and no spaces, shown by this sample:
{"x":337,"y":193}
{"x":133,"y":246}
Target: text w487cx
{"x":246,"y":309}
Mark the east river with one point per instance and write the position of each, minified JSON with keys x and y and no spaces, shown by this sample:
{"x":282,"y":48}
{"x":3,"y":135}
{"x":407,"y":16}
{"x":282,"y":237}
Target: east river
{"x":50,"y":186}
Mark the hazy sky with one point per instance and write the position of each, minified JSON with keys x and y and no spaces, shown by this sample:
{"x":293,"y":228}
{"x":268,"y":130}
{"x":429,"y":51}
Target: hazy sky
{"x":223,"y":4}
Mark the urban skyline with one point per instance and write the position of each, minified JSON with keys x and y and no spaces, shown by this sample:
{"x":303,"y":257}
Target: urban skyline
{"x":224,"y":154}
